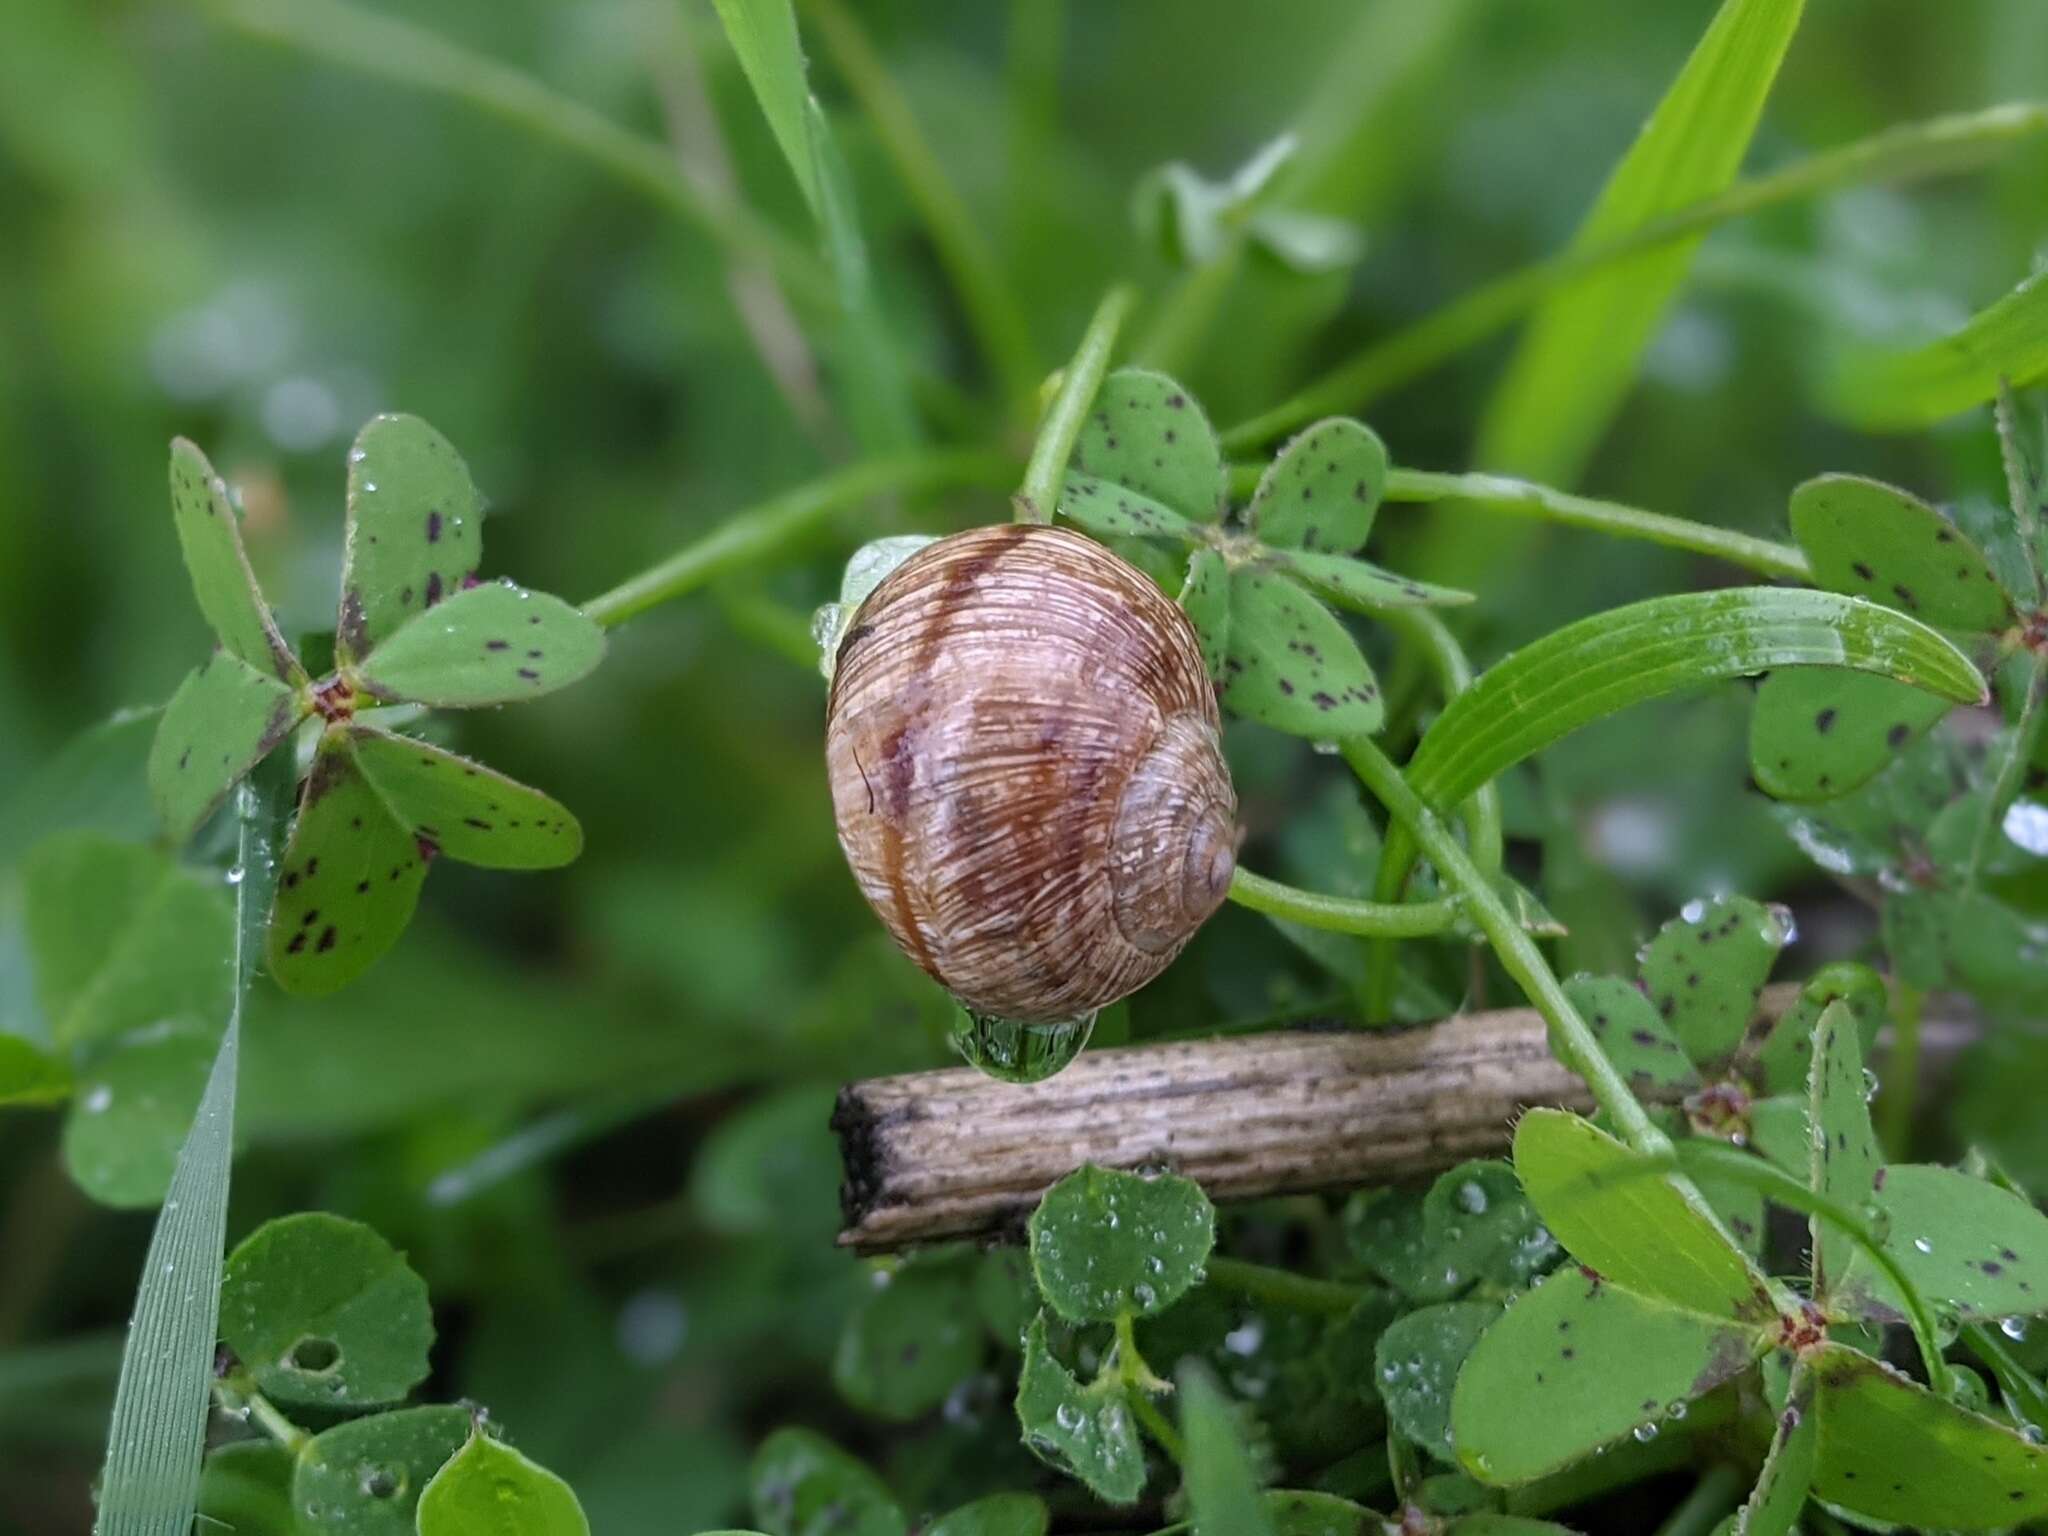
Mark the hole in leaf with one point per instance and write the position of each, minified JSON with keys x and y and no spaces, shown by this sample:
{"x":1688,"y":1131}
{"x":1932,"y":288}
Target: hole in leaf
{"x":380,"y":1482}
{"x":315,"y":1355}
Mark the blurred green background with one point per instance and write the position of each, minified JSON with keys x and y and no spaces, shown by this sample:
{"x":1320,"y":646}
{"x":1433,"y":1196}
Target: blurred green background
{"x":208,"y":235}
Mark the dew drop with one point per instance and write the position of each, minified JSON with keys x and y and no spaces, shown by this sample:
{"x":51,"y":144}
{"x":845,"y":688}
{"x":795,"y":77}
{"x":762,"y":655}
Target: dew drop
{"x":2014,"y":1328}
{"x":1921,"y":1245}
{"x":1017,"y":1050}
{"x":235,"y":874}
{"x":1645,"y":1433}
{"x":99,"y":1100}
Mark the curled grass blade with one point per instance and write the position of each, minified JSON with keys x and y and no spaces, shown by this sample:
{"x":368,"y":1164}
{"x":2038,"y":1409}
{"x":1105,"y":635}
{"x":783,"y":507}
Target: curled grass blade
{"x":1903,"y":391}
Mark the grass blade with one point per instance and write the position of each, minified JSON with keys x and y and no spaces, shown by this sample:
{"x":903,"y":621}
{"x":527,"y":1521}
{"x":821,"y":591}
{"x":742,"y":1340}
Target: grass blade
{"x":1581,"y":350}
{"x":1902,"y":391}
{"x":151,"y":1483}
{"x":763,"y":38}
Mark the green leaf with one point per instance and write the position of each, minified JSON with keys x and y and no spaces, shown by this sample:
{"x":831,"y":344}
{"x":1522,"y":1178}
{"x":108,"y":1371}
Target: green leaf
{"x":247,"y":1486}
{"x":149,"y":1485}
{"x":210,"y":533}
{"x":1892,"y":1450}
{"x":414,"y":533}
{"x":492,"y":644}
{"x":1773,"y":1507}
{"x":365,"y":1477}
{"x":326,"y":1314}
{"x":1784,"y":1057}
{"x":1581,"y":349}
{"x":910,"y":1341}
{"x":804,"y":1485}
{"x":1478,"y":1225}
{"x":1361,"y":586}
{"x":1205,"y":599}
{"x":1604,"y":663}
{"x":30,"y":1075}
{"x":1633,"y":1035}
{"x":1292,"y":665}
{"x":350,"y":879}
{"x":1817,"y":733}
{"x":1222,"y":1488}
{"x":224,"y":719}
{"x":1105,"y":1242}
{"x":131,"y":1111}
{"x":467,"y":811}
{"x":1297,"y":1512}
{"x":489,"y":1489}
{"x":1965,"y":1244}
{"x":1896,"y":391}
{"x":95,"y":782}
{"x":1705,"y":967}
{"x":764,"y":39}
{"x":1147,"y":434}
{"x":1000,"y":1514}
{"x":1111,"y":511}
{"x":1845,"y":1163}
{"x":1416,"y":1364}
{"x":1005,"y":1295}
{"x":767,"y":1168}
{"x":1322,"y":490}
{"x":1086,"y":1431}
{"x":1579,"y":1363}
{"x":1636,"y":1227}
{"x":1868,"y":539}
{"x":121,"y":937}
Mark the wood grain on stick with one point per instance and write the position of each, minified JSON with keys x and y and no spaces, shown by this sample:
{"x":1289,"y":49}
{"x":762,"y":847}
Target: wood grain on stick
{"x":952,"y":1153}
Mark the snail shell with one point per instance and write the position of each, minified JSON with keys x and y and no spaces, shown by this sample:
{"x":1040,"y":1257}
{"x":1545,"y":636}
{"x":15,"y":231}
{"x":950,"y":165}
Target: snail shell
{"x":1027,"y":770}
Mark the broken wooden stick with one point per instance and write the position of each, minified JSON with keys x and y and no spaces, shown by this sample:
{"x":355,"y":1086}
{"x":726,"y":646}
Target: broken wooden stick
{"x":931,"y":1156}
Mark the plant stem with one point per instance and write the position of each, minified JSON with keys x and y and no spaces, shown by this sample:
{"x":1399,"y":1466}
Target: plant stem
{"x":1428,"y":633}
{"x":1284,"y":1288}
{"x":1046,"y":474}
{"x":990,"y":305}
{"x":768,"y":528}
{"x":1571,"y":1039}
{"x":1343,"y":914}
{"x":1917,"y":149}
{"x":396,"y":50}
{"x":1177,"y":328}
{"x":1902,"y":1076}
{"x":1156,"y":1425}
{"x":1528,"y":499}
{"x":2011,"y":771}
{"x":237,"y":1395}
{"x":1717,"y":1492}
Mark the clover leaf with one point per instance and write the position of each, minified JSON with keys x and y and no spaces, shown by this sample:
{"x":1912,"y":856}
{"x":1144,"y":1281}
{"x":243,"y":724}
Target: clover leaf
{"x":415,"y":627}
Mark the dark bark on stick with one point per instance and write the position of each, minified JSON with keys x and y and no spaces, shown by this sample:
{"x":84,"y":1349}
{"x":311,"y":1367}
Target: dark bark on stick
{"x":947,"y":1154}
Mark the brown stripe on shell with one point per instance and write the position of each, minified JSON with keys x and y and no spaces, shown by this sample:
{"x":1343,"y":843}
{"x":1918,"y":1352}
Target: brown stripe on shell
{"x":987,"y":711}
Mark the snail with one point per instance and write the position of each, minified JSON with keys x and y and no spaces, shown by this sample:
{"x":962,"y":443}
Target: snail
{"x":1027,"y":770}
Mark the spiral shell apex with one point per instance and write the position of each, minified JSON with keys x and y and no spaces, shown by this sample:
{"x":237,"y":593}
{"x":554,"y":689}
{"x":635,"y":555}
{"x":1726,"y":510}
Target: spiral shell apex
{"x":1027,"y":771}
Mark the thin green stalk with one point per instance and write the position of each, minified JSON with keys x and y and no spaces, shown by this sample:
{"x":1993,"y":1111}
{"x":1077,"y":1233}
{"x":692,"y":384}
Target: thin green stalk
{"x":1528,"y":499}
{"x":1157,"y":1426}
{"x":396,"y":50}
{"x":238,"y":1396}
{"x":2011,"y":771}
{"x":1046,"y":474}
{"x":1429,"y":634}
{"x":1571,"y":1039}
{"x":1902,"y":1072}
{"x":1718,"y":1491}
{"x":2021,"y":1388}
{"x":1284,"y":1288}
{"x":1174,"y":336}
{"x":1917,"y":149}
{"x":1343,"y":914}
{"x":769,"y":528}
{"x":991,"y":307}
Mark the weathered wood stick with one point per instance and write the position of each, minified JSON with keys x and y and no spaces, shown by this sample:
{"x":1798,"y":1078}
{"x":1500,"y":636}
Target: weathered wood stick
{"x":953,"y":1153}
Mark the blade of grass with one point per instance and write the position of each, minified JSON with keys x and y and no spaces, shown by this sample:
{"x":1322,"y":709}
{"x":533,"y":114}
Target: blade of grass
{"x":398,"y":51}
{"x":763,"y":37}
{"x":1939,"y":146}
{"x":151,"y":1483}
{"x":1901,"y":391}
{"x":990,"y":305}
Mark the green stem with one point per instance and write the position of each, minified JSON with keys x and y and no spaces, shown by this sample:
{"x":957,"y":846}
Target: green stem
{"x":1046,"y":474}
{"x":396,"y":50}
{"x":1718,"y":1491}
{"x":991,"y":308}
{"x":1428,"y":633}
{"x":1613,"y":518}
{"x":1902,"y":1072}
{"x":2011,"y":771}
{"x":1343,"y":914}
{"x":1571,"y":1039}
{"x":1918,"y":149}
{"x":1136,"y":1381}
{"x":769,"y":528}
{"x":2021,"y":1387}
{"x":1190,"y":307}
{"x":237,"y":1395}
{"x":1156,"y":1425}
{"x":1284,"y":1288}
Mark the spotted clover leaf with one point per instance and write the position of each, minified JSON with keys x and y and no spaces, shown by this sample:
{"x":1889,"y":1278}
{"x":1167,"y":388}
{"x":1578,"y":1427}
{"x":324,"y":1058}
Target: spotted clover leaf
{"x":416,"y":627}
